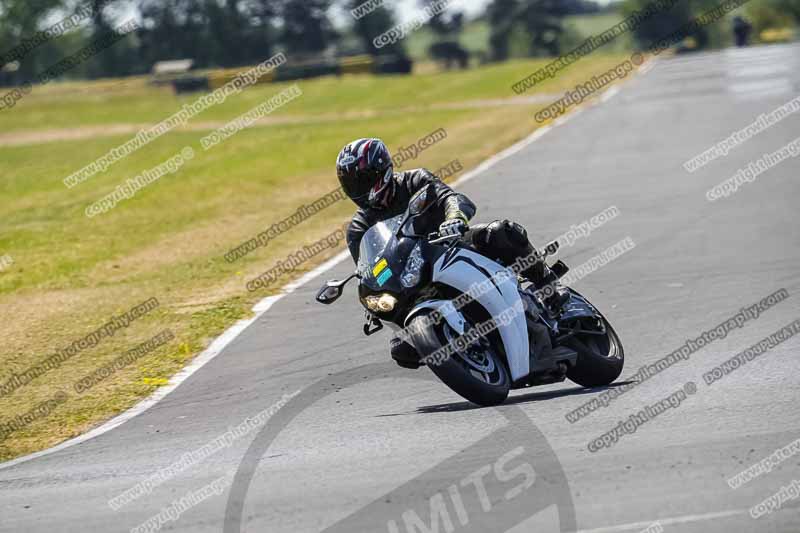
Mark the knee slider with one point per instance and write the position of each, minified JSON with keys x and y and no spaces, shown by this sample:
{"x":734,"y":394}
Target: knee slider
{"x":517,"y":234}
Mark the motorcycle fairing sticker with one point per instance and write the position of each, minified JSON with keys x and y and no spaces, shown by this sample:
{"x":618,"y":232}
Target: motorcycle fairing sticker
{"x":385,"y":275}
{"x":378,"y":268}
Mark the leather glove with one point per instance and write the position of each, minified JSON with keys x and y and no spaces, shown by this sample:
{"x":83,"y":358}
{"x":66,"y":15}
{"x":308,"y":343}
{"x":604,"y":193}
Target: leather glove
{"x":453,"y":226}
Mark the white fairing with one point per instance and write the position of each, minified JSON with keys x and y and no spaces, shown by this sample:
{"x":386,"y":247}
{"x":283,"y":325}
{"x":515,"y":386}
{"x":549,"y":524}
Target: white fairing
{"x":465,"y":270}
{"x":446,"y":308}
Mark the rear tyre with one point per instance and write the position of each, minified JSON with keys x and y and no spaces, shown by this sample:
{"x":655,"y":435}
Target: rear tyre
{"x":600,"y":355}
{"x":477,"y":373}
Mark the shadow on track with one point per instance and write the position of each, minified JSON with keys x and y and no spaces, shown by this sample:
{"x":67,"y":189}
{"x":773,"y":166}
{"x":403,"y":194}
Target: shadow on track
{"x":522,"y":398}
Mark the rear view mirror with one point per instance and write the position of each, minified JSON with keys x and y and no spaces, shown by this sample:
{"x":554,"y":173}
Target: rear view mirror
{"x":332,"y":290}
{"x":559,"y":268}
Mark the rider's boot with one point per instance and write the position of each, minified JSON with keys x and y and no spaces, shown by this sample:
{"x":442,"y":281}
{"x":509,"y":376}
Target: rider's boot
{"x":546,"y":281}
{"x":559,"y":295}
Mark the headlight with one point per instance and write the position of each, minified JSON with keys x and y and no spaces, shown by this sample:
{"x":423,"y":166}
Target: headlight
{"x":380,"y":304}
{"x":413,"y":271}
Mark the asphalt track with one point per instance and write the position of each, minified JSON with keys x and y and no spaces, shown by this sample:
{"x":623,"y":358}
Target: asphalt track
{"x":368,"y":451}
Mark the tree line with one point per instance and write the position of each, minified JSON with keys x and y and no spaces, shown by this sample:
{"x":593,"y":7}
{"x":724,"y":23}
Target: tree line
{"x":230,"y":33}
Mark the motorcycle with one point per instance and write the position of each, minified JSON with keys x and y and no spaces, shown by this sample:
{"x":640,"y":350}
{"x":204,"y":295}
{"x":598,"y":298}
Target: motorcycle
{"x":468,"y":318}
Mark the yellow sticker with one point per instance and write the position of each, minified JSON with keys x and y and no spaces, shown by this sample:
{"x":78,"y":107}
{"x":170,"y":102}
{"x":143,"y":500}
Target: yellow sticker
{"x":377,"y":269}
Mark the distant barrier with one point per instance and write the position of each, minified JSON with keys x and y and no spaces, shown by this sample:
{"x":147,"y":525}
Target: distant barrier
{"x":363,"y":64}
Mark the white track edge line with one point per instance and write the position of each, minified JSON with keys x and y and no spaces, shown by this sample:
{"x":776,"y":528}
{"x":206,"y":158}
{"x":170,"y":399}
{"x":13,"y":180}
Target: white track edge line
{"x":221,"y":342}
{"x":632,"y":526}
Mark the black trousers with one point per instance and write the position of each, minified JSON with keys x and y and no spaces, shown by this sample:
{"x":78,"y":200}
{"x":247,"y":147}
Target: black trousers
{"x":505,"y":242}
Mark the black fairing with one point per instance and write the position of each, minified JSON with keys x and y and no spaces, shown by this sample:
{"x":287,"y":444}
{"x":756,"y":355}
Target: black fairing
{"x":395,"y":251}
{"x":577,"y":307}
{"x":392,"y":241}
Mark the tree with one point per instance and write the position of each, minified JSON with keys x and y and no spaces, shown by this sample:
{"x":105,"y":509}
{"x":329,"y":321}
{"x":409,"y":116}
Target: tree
{"x":539,"y":20}
{"x":242,"y":30}
{"x":447,"y":28}
{"x":543,"y":24}
{"x":501,"y":15}
{"x":225,"y":33}
{"x":21,"y":20}
{"x":372,"y":25}
{"x":172,"y":29}
{"x":665,"y":22}
{"x":790,"y":7}
{"x":118,"y":60}
{"x":306,"y":28}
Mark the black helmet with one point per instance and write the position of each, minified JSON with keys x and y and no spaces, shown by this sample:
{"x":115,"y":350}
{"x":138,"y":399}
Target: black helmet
{"x":365,"y":170}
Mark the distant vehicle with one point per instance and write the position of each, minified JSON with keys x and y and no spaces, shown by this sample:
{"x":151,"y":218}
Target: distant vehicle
{"x":410,"y":280}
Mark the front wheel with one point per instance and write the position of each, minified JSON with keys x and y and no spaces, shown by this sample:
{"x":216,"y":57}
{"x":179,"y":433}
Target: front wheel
{"x":476,"y":372}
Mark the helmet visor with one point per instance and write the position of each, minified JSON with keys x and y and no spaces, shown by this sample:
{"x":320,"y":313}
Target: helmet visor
{"x":369,"y":189}
{"x":358,"y":187}
{"x":379,"y":194}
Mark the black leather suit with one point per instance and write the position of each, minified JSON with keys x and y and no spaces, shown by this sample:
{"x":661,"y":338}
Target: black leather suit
{"x":407,"y":183}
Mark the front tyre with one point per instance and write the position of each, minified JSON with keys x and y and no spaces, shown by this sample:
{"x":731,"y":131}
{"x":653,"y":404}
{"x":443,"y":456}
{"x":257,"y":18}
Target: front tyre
{"x":477,"y":373}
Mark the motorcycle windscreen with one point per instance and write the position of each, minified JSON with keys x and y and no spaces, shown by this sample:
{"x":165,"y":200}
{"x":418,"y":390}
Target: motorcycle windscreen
{"x":382,"y":256}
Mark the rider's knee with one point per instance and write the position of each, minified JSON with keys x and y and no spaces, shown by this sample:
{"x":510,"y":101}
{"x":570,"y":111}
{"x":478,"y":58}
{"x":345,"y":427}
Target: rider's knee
{"x":508,"y":238}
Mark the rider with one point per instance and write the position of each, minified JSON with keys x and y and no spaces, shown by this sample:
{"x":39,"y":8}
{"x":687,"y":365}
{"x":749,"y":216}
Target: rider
{"x":367,"y":176}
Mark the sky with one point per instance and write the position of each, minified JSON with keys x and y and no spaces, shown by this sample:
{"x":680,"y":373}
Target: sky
{"x":406,"y":9}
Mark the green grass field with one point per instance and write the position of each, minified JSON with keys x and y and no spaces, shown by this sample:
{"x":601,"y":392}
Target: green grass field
{"x":71,"y":274}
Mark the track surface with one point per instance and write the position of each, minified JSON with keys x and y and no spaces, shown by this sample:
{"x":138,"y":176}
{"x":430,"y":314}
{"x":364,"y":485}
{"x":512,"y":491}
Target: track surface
{"x":695,"y":264}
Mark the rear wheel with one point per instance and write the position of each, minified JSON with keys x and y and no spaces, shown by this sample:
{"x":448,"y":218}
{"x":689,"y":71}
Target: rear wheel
{"x":600,"y":353}
{"x":477,"y":372}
